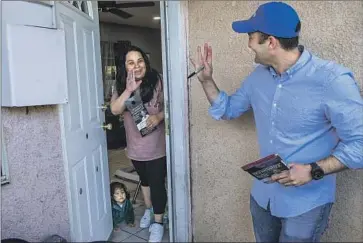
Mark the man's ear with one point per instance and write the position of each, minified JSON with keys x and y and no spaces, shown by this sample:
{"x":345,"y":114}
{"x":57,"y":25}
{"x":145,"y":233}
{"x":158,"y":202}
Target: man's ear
{"x":273,"y":42}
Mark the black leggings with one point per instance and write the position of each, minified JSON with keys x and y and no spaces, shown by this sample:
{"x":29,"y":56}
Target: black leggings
{"x":152,"y":173}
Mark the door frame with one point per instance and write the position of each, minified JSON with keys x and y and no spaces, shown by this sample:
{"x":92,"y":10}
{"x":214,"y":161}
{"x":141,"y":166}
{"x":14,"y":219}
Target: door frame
{"x":174,"y":35}
{"x":174,"y":38}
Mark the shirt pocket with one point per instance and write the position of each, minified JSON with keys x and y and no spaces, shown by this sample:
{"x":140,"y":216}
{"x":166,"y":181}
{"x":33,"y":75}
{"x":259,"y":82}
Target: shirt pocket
{"x":302,"y":115}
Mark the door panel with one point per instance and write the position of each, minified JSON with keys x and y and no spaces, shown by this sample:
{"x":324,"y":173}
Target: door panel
{"x":72,"y":112}
{"x":90,"y":67}
{"x":99,"y":183}
{"x":81,"y":198}
{"x":84,"y":139}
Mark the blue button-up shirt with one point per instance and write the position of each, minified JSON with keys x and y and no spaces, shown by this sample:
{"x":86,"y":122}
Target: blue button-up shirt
{"x":309,"y":112}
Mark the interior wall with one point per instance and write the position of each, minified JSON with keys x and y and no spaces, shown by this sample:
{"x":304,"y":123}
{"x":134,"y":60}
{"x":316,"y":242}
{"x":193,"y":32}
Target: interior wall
{"x":149,"y":40}
{"x":220,"y":189}
{"x":34,"y":204}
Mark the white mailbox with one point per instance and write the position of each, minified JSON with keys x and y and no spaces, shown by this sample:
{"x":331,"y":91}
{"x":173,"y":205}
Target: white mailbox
{"x":33,"y":66}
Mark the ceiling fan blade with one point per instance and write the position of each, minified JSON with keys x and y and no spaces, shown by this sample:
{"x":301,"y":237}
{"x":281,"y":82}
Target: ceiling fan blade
{"x":106,"y":4}
{"x":134,"y":4}
{"x":120,"y":13}
{"x":120,"y":4}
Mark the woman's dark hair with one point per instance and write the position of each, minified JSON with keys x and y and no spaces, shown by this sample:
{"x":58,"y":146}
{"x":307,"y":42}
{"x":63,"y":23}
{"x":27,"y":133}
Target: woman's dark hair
{"x":118,"y":185}
{"x":149,"y":81}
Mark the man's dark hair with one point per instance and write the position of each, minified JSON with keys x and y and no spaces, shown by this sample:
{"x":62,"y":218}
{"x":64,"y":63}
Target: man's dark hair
{"x":286,"y":43}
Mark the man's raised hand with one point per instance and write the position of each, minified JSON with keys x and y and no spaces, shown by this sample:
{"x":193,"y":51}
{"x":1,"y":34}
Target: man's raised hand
{"x":204,"y":60}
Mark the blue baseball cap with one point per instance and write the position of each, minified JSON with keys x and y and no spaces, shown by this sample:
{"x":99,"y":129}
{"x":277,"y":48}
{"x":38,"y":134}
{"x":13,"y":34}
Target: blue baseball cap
{"x":274,"y":18}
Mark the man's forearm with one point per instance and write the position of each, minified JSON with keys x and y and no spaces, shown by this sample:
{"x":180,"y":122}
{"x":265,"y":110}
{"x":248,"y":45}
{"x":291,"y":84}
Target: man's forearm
{"x":211,"y":90}
{"x":331,"y":165}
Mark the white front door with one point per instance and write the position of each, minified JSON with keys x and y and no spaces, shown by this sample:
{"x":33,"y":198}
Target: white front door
{"x":84,"y":140}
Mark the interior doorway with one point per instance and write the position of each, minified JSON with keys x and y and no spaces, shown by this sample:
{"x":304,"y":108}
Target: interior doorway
{"x":123,"y":24}
{"x":82,"y":120}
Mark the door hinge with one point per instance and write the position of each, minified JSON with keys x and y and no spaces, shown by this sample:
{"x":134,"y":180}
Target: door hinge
{"x":166,"y":120}
{"x":167,"y":130}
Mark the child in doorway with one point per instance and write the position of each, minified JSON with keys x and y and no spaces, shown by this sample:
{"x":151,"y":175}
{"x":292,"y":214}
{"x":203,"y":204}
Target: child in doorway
{"x":122,"y":209}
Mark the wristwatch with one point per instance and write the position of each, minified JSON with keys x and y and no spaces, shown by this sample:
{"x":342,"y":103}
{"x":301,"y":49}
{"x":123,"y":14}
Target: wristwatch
{"x":316,"y":172}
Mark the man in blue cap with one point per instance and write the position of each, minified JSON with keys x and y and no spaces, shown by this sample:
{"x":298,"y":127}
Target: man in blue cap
{"x":307,"y":110}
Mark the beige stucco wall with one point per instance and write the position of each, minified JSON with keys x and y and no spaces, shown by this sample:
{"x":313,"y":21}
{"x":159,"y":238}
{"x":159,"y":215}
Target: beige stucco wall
{"x":34,"y":204}
{"x":220,"y":190}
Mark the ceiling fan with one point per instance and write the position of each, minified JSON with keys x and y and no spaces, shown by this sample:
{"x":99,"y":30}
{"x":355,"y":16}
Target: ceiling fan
{"x":115,"y":7}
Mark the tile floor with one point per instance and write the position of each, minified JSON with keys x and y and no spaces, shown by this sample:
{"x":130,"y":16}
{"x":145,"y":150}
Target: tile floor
{"x":135,"y":234}
{"x":118,"y":160}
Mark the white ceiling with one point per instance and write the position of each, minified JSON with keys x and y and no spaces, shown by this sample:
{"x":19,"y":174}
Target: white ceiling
{"x":143,"y":16}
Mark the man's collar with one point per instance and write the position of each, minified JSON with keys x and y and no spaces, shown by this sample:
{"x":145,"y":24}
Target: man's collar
{"x":304,"y":58}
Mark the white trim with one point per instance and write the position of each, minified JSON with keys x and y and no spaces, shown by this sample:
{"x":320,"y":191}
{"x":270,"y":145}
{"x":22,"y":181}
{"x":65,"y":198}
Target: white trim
{"x":165,"y":53}
{"x":61,"y":113}
{"x":174,"y":48}
{"x":47,"y":3}
{"x":4,"y":160}
{"x":66,"y":171}
{"x":88,"y":15}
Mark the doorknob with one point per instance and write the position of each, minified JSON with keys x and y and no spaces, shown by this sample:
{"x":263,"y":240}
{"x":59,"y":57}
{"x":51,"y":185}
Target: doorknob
{"x":103,"y":107}
{"x":107,"y":126}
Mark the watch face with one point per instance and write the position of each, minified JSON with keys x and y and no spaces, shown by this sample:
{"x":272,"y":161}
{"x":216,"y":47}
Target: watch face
{"x":318,"y":174}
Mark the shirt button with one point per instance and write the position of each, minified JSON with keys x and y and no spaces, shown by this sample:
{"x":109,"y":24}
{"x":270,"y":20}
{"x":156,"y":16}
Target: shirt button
{"x":280,"y":86}
{"x":273,"y":123}
{"x":274,"y":104}
{"x":270,"y":141}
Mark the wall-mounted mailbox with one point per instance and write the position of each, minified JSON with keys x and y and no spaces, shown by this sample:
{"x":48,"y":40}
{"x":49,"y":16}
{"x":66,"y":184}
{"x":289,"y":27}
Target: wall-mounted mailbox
{"x":33,"y":66}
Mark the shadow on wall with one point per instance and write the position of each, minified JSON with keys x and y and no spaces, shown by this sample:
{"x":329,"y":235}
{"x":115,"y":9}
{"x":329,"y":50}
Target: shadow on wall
{"x":346,"y":217}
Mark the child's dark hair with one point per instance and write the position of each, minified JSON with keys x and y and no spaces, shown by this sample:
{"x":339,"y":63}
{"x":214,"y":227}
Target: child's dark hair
{"x":118,"y":185}
{"x":149,"y":81}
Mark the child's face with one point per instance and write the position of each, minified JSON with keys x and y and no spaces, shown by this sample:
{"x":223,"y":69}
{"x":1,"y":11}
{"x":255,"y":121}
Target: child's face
{"x":119,"y":195}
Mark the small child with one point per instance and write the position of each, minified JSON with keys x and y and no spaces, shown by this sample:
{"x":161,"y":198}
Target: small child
{"x":122,"y":209}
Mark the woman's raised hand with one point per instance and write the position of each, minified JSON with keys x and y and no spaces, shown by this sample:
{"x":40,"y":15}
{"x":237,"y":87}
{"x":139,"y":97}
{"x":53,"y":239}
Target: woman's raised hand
{"x":131,"y":83}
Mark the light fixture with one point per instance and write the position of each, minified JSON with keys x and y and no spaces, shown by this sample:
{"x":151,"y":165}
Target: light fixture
{"x":156,"y":17}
